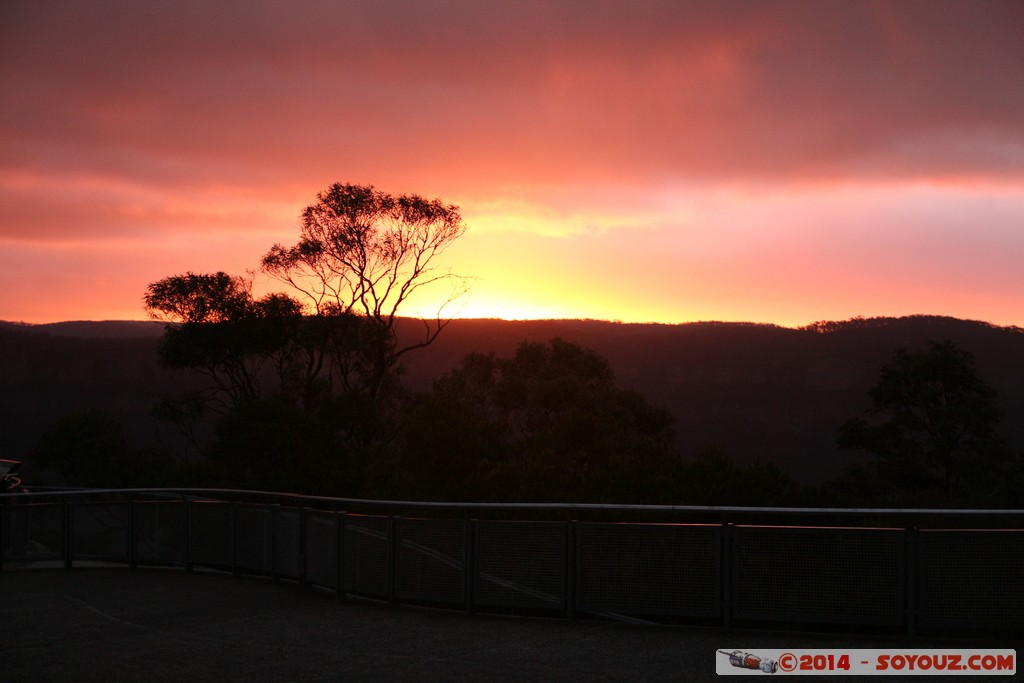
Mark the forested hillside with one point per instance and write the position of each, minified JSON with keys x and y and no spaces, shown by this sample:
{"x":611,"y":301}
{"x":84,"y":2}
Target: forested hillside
{"x":754,"y":392}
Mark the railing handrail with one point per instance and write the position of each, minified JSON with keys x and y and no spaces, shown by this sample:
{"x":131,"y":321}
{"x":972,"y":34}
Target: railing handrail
{"x":623,"y":507}
{"x":695,"y":567}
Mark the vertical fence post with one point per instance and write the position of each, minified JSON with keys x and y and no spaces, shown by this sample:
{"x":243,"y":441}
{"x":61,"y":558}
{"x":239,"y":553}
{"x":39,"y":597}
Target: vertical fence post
{"x":132,"y":563}
{"x":727,"y":570}
{"x":392,"y":554}
{"x":469,"y":565}
{"x":911,"y":561}
{"x":340,"y":555}
{"x":233,"y":525}
{"x":67,"y":514}
{"x":3,"y":531}
{"x":572,"y":568}
{"x":273,"y":541}
{"x":302,"y":560}
{"x":187,"y":521}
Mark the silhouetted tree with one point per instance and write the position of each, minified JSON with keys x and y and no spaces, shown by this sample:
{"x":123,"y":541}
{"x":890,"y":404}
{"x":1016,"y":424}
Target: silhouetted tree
{"x":199,"y":298}
{"x":932,"y":423}
{"x":366,"y":252}
{"x":318,"y":374}
{"x":547,"y":424}
{"x":217,"y":328}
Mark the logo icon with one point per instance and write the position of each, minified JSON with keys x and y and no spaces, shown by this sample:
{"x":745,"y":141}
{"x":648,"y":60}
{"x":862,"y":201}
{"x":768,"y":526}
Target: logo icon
{"x":745,"y":660}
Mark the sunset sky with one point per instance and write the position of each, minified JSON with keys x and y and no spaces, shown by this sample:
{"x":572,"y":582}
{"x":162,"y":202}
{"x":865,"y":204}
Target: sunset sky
{"x":780,"y":162}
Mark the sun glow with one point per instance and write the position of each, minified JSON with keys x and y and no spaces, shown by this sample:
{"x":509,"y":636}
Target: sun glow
{"x":509,"y":309}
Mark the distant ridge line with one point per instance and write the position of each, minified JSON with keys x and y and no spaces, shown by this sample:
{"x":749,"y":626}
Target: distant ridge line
{"x":112,"y":329}
{"x":95,"y":329}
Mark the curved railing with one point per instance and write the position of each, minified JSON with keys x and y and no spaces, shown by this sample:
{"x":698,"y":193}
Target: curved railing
{"x":900,"y":571}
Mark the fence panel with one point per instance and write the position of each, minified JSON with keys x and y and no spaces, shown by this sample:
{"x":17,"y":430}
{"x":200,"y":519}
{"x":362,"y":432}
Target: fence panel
{"x":431,"y":561}
{"x":971,"y":578}
{"x":34,"y":532}
{"x":254,"y":539}
{"x":821,"y":575}
{"x":160,"y":532}
{"x":287,"y":543}
{"x":210,"y":534}
{"x":365,"y":555}
{"x":100,"y":531}
{"x":521,"y":565}
{"x":322,"y":549}
{"x":650,"y":569}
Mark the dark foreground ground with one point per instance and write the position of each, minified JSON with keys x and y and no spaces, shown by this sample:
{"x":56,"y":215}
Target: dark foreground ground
{"x":160,"y":625}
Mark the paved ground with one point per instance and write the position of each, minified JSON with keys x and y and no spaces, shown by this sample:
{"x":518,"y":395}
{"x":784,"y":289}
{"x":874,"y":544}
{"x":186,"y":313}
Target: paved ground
{"x":160,"y":625}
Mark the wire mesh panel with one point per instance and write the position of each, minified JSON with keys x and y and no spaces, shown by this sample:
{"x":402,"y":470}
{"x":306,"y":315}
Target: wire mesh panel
{"x":100,"y":531}
{"x":971,"y":578}
{"x":322,"y":548}
{"x":287,"y":543}
{"x":650,"y":569}
{"x":364,"y":555}
{"x":159,"y":532}
{"x":254,"y":539}
{"x":431,"y":564}
{"x":34,"y":533}
{"x":520,"y":565}
{"x":209,"y":534}
{"x":839,"y":576}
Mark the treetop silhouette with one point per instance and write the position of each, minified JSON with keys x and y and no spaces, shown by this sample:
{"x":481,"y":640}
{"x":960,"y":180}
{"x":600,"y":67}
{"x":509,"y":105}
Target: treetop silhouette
{"x":932,"y":422}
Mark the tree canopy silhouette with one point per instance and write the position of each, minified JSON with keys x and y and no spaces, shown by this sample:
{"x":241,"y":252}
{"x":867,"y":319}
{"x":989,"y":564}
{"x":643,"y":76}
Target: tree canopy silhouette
{"x":366,"y":252}
{"x":326,"y":355}
{"x":219,"y":329}
{"x":547,"y":424}
{"x":932,"y":424}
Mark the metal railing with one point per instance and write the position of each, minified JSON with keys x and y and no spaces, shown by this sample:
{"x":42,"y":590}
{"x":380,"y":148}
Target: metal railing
{"x":899,"y":571}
